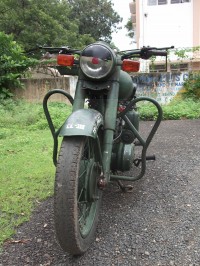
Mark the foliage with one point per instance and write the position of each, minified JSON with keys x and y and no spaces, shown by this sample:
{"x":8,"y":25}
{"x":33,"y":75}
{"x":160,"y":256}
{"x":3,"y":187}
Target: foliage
{"x":13,"y":64}
{"x":96,"y":17}
{"x":192,"y":86}
{"x":75,"y":23}
{"x":175,"y":110}
{"x":129,"y":27}
{"x":43,"y":22}
{"x":185,"y":53}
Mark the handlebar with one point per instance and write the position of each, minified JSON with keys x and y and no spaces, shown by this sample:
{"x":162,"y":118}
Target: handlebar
{"x":60,"y":50}
{"x":146,"y":52}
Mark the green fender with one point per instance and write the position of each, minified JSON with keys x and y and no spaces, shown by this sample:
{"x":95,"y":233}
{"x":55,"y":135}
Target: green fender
{"x":83,"y":122}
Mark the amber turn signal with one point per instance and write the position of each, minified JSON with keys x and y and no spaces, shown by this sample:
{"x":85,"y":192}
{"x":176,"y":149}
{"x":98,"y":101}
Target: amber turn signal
{"x":65,"y":60}
{"x":130,"y":65}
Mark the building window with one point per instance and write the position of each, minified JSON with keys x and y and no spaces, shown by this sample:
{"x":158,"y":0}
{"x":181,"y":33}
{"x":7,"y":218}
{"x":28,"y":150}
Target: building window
{"x":179,"y":67}
{"x":152,"y":2}
{"x":174,"y":67}
{"x":184,"y":67}
{"x":158,"y":68}
{"x":162,"y":2}
{"x":157,"y":2}
{"x":179,"y":1}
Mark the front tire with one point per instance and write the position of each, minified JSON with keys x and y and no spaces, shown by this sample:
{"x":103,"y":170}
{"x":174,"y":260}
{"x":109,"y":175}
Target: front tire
{"x":77,"y":198}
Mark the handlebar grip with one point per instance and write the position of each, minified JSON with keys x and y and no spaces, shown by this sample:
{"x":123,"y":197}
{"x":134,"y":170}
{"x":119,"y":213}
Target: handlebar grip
{"x":158,"y":53}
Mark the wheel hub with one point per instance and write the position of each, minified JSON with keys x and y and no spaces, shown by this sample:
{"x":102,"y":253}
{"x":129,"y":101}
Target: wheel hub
{"x":94,"y":172}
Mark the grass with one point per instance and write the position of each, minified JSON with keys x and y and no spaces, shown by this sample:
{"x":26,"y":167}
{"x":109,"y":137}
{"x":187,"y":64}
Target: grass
{"x":26,"y":176}
{"x":175,"y":110}
{"x":26,"y":169}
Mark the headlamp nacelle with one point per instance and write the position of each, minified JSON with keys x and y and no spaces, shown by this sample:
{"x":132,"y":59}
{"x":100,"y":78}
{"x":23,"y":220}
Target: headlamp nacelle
{"x":97,"y":61}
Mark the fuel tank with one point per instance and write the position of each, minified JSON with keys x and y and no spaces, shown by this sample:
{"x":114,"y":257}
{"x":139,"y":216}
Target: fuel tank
{"x":126,"y":87}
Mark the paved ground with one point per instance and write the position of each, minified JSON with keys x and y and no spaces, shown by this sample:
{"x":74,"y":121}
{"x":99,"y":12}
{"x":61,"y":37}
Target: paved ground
{"x":157,"y":224}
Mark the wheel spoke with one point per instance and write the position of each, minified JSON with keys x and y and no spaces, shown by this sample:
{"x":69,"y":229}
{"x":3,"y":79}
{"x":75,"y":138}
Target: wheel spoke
{"x":82,"y":174}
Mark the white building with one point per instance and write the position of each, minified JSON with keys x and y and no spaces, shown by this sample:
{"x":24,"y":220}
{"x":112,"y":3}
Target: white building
{"x":161,"y":23}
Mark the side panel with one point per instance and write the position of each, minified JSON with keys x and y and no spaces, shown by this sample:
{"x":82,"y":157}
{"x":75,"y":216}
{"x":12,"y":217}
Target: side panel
{"x":83,"y":122}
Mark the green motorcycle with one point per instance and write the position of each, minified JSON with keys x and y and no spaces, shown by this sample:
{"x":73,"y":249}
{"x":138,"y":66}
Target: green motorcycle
{"x":99,"y":137}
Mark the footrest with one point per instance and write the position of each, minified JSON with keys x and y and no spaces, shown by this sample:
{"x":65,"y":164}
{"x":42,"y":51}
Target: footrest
{"x":148,"y":158}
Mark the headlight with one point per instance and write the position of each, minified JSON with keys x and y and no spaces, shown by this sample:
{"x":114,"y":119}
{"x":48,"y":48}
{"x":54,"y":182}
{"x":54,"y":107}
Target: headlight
{"x":97,"y":61}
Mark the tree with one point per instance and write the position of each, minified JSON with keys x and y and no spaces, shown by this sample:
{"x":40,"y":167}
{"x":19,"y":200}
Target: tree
{"x":13,"y":64}
{"x":129,"y":27}
{"x":96,"y":17}
{"x":41,"y":22}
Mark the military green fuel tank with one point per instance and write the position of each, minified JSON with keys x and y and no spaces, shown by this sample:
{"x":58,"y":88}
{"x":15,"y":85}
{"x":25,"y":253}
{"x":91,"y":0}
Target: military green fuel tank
{"x":126,"y":88}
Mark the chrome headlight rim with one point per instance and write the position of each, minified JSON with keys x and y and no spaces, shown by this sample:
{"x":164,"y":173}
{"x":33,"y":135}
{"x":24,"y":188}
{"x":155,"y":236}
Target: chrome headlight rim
{"x":110,"y":67}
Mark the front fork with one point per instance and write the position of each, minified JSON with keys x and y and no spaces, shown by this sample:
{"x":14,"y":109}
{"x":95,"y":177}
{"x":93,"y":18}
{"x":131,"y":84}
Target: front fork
{"x":109,"y":128}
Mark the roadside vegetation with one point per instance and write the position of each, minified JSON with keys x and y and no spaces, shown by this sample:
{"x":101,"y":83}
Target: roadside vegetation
{"x":26,"y":169}
{"x":175,"y":110}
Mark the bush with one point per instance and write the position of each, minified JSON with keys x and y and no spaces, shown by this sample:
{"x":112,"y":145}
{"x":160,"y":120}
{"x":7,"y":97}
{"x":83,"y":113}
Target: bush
{"x":13,"y":64}
{"x":175,"y":110}
{"x":192,"y":86}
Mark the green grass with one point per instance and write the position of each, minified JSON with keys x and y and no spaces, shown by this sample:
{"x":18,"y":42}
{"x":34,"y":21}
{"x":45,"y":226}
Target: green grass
{"x":27,"y":170}
{"x":26,"y":175}
{"x":175,"y":110}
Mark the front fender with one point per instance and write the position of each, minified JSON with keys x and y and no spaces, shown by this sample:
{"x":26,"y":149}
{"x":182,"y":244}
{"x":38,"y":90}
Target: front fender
{"x":83,"y":122}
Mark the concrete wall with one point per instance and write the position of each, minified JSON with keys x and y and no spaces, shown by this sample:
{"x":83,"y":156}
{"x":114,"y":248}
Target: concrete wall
{"x":161,"y":86}
{"x":34,"y":89}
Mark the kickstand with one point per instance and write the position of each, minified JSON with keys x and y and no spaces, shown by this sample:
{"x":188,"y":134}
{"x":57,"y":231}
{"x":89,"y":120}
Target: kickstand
{"x":124,"y":188}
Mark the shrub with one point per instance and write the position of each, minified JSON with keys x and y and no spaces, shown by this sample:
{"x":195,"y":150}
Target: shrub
{"x":192,"y":86}
{"x":13,"y":64}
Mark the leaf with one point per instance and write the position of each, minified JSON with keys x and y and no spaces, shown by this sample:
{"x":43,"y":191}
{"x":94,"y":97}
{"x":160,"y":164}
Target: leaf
{"x":20,"y":241}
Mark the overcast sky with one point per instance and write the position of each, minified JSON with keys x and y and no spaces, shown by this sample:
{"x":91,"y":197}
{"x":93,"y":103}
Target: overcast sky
{"x":120,"y":39}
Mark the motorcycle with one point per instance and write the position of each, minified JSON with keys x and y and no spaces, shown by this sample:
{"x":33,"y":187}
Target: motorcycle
{"x":100,"y":136}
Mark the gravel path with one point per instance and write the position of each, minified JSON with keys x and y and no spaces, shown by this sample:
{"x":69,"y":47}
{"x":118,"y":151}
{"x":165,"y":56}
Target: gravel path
{"x":157,"y":224}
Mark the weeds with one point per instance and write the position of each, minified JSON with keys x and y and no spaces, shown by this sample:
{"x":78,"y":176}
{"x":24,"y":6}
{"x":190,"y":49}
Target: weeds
{"x":31,"y":116}
{"x":175,"y":110}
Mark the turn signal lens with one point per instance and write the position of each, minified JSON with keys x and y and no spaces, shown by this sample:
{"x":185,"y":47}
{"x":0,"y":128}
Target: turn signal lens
{"x":130,"y":65}
{"x":65,"y":60}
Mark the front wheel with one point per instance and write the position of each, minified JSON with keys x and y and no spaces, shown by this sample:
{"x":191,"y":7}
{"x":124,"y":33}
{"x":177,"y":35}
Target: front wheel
{"x":77,"y":197}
